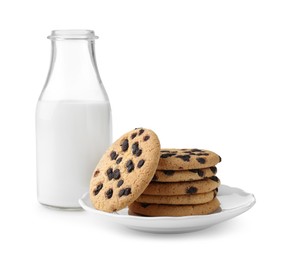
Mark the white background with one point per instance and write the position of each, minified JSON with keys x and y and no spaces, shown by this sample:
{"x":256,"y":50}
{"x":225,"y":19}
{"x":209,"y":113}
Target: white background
{"x":207,"y":74}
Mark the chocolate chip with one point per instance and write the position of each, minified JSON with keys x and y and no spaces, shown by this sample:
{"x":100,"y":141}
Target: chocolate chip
{"x":109,"y":193}
{"x":191,"y":153}
{"x":121,"y":192}
{"x":213,"y":169}
{"x":119,"y":160}
{"x":191,"y":190}
{"x":127,"y":191}
{"x":113,"y":155}
{"x":200,"y":173}
{"x":202,"y":154}
{"x":140,"y":163}
{"x":146,"y":137}
{"x":130,"y":166}
{"x":220,"y":159}
{"x":196,"y":150}
{"x":138,"y":153}
{"x":201,"y":160}
{"x":133,"y":135}
{"x":116,"y":174}
{"x":144,"y":205}
{"x":110,"y":174}
{"x":185,"y":158}
{"x":214,"y":178}
{"x":125,"y":145}
{"x":216,"y":189}
{"x":96,"y":173}
{"x":165,"y":151}
{"x":97,"y":189}
{"x":168,"y":172}
{"x":119,"y":184}
{"x":124,"y":192}
{"x":166,"y":155}
{"x":141,"y":131}
{"x":135,"y":147}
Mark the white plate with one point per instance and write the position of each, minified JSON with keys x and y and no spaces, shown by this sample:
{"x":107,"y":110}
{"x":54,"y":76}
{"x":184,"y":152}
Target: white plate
{"x":233,"y":201}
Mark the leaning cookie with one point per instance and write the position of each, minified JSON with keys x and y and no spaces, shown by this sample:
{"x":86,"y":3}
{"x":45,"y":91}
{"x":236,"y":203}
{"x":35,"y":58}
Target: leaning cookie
{"x":182,"y":188}
{"x":178,"y":199}
{"x":185,"y":159}
{"x":184,"y":175}
{"x":125,"y":170}
{"x":174,"y":210}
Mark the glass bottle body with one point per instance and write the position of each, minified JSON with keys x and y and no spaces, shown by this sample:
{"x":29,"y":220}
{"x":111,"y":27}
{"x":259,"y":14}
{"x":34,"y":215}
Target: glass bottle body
{"x":73,"y":121}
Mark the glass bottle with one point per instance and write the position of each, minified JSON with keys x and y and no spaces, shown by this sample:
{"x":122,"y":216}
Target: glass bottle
{"x":73,"y":120}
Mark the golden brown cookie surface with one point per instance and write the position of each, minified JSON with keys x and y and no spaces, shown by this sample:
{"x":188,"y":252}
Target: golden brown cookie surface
{"x":174,"y":210}
{"x":182,"y":188}
{"x":125,"y":170}
{"x":178,"y":199}
{"x":184,"y":175}
{"x":185,"y":159}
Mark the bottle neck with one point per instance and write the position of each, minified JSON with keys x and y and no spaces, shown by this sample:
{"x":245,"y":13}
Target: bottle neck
{"x":73,"y":73}
{"x":73,"y":58}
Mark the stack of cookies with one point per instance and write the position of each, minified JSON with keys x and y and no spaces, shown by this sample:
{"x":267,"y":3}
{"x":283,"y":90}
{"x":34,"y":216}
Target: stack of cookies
{"x":135,"y":172}
{"x":184,"y":184}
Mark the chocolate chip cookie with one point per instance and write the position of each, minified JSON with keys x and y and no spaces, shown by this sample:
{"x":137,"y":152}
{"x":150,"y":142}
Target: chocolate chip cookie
{"x":182,"y":188}
{"x":185,"y":159}
{"x":174,"y":210}
{"x":178,"y":199}
{"x":125,"y":170}
{"x":185,"y":175}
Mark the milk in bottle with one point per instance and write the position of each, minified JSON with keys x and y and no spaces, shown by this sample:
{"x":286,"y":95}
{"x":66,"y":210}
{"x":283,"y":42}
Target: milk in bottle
{"x":73,"y":120}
